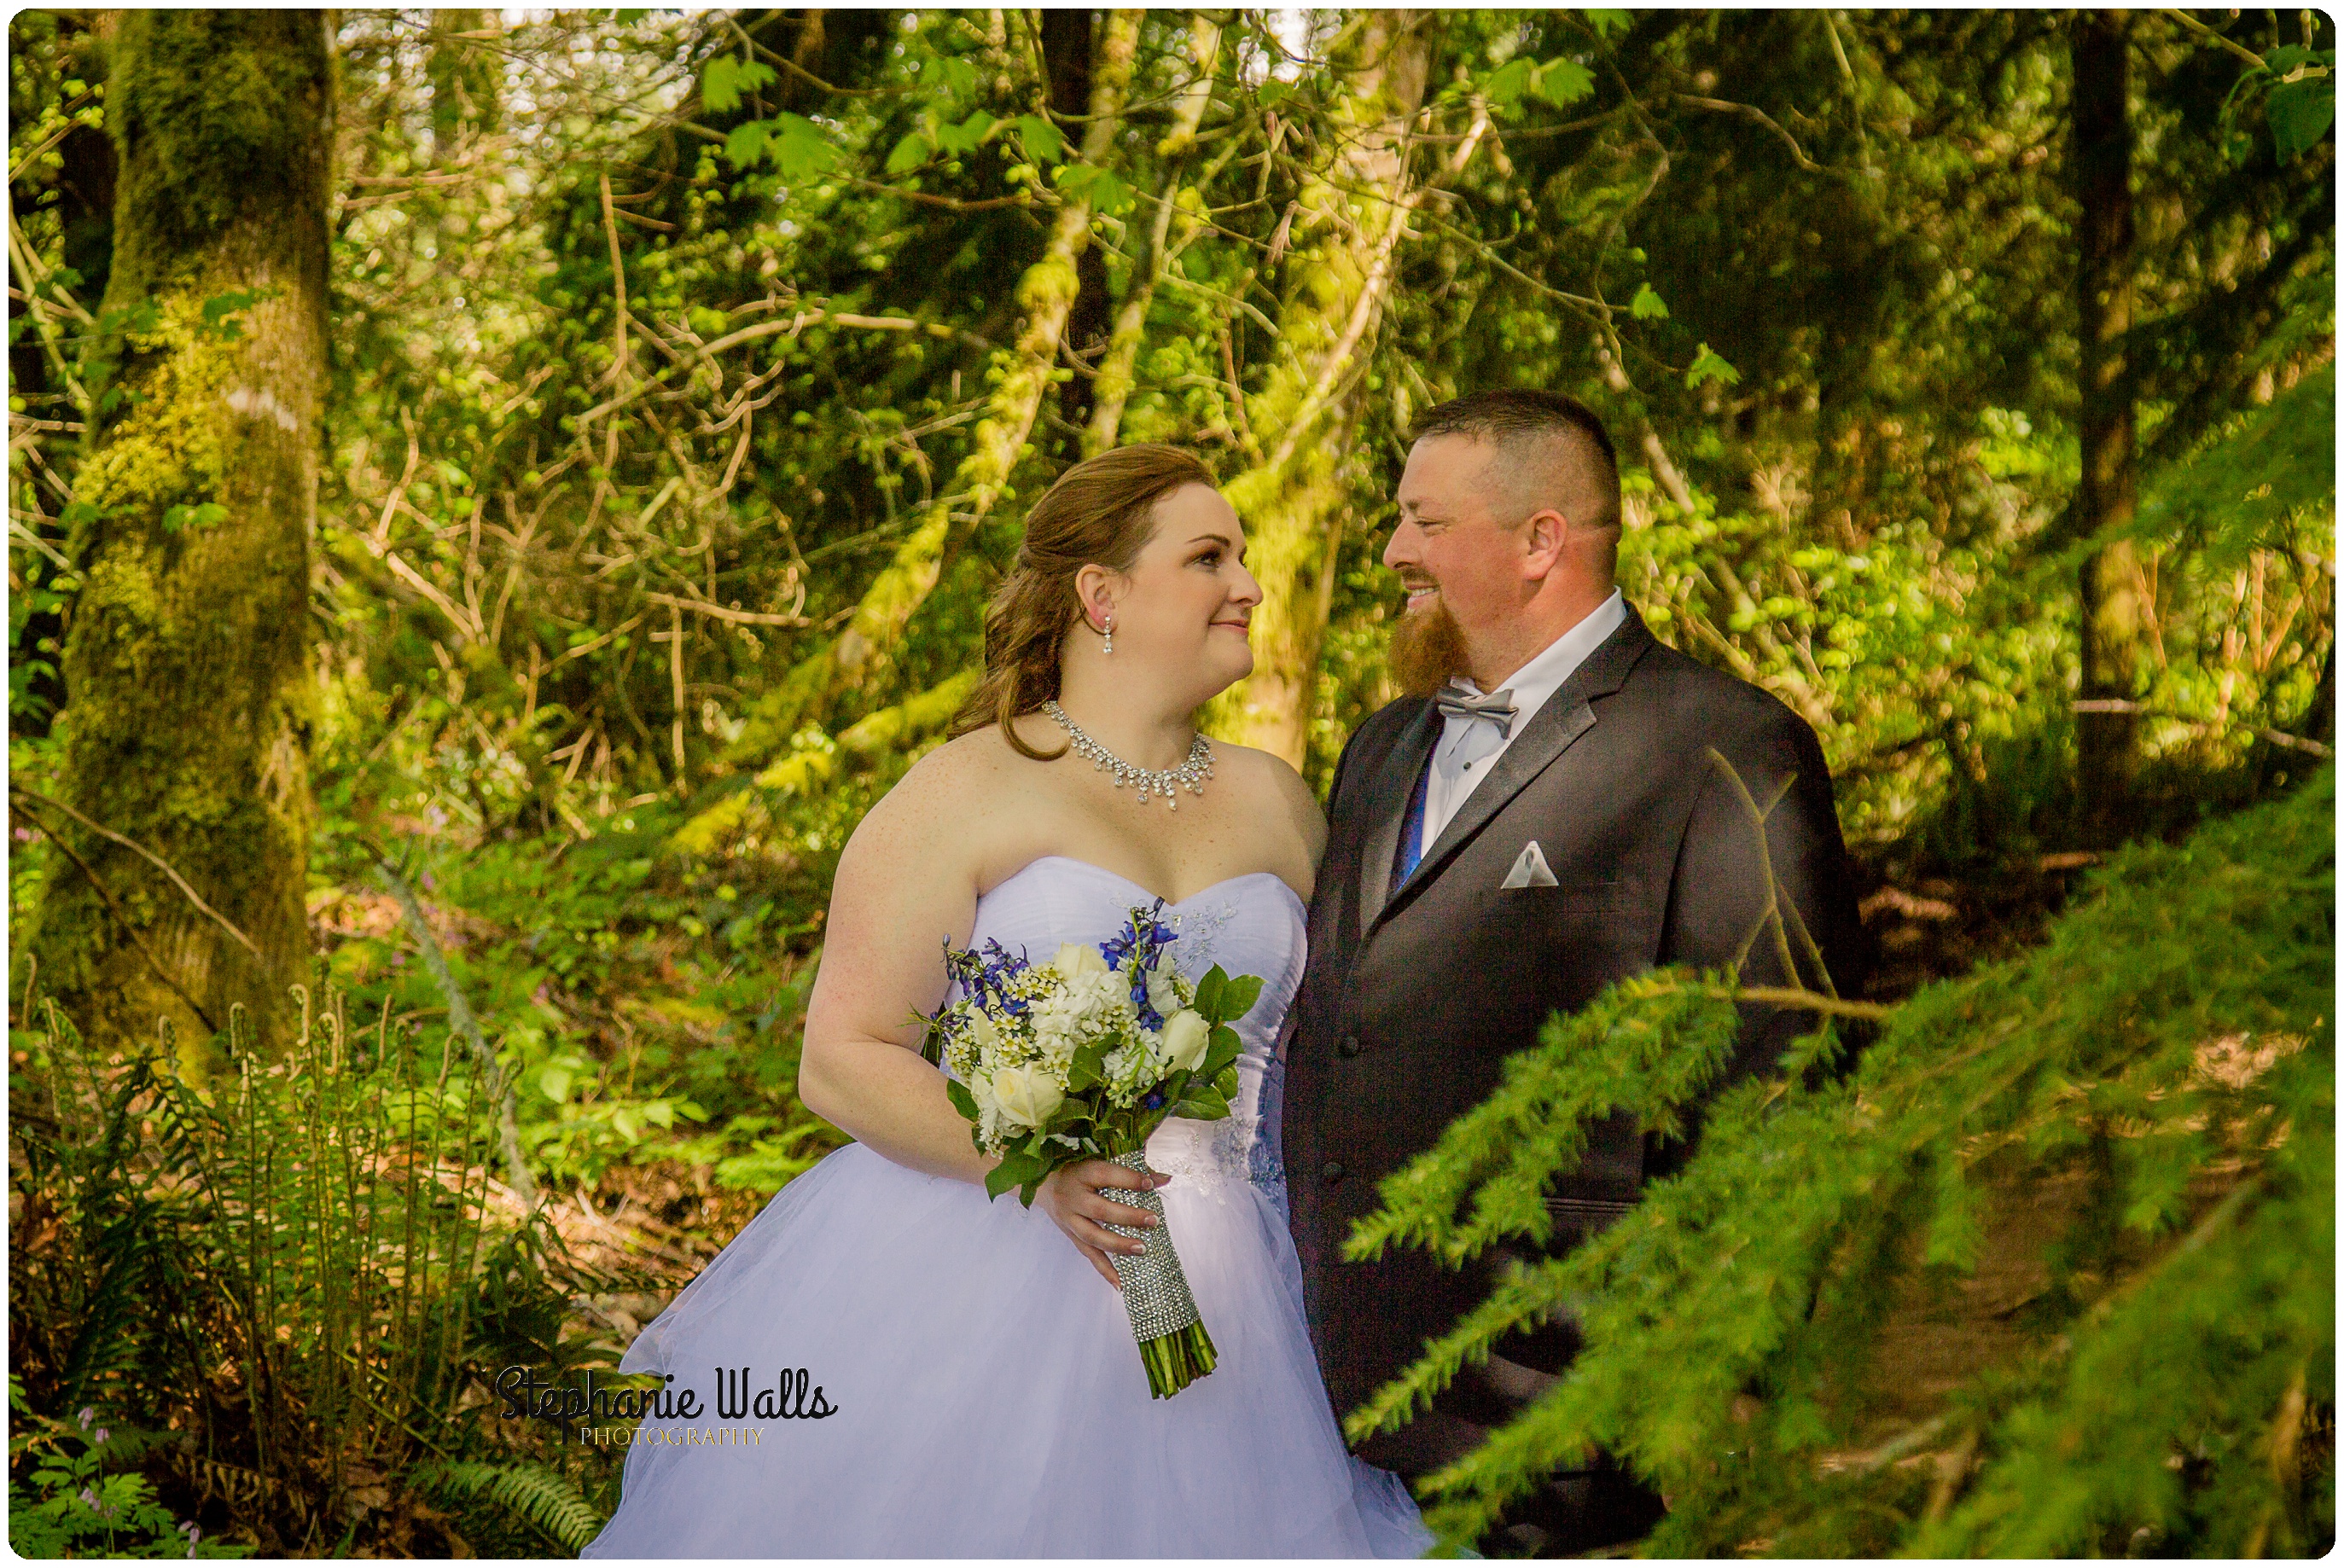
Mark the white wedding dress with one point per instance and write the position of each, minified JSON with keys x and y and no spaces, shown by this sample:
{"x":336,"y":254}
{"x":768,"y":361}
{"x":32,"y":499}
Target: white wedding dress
{"x":988,"y":1399}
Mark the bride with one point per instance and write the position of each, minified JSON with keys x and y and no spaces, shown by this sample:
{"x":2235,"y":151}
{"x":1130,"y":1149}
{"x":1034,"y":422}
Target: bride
{"x":984,"y":1394}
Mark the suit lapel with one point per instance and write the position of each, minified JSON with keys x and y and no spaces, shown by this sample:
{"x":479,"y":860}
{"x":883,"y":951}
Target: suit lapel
{"x":1566,"y":716}
{"x":1388,"y":807}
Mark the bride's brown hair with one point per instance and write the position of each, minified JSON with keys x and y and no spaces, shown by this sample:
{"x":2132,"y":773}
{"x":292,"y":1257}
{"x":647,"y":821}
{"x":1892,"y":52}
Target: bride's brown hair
{"x":1099,"y":513}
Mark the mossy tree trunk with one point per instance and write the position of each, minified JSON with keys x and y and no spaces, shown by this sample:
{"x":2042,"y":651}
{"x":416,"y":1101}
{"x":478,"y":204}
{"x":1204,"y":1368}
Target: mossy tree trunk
{"x":1119,"y":366}
{"x":189,"y":701}
{"x":1067,"y":35}
{"x":1351,"y":221}
{"x":2110,"y":578}
{"x":862,"y":653}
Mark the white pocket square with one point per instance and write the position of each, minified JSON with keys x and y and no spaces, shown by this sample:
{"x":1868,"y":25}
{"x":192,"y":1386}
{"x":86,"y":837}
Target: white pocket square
{"x":1530,"y":869}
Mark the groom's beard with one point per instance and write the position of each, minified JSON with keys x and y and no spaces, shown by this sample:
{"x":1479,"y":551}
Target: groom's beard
{"x":1427,"y":647}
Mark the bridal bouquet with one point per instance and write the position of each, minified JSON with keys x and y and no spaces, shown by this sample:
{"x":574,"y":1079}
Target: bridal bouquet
{"x":1081,"y":1058}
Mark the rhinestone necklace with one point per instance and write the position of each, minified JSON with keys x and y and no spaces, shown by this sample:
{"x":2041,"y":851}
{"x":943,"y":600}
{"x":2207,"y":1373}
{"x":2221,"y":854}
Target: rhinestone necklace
{"x":1191,"y":774}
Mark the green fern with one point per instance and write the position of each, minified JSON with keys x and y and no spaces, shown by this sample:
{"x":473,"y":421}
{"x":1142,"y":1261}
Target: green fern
{"x":529,"y":1494}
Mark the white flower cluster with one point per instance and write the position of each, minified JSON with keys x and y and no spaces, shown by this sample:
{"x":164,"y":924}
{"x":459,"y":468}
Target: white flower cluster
{"x":1014,"y":1042}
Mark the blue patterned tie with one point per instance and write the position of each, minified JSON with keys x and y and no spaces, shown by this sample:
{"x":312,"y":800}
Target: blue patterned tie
{"x":1412,"y":830}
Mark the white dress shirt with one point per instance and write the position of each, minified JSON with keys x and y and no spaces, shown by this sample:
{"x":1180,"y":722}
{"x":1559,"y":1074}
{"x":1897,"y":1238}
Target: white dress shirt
{"x":1531,"y":686}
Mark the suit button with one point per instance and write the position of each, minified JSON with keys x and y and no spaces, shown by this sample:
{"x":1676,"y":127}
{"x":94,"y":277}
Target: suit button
{"x":1350,"y":1045}
{"x":1332,"y":1171}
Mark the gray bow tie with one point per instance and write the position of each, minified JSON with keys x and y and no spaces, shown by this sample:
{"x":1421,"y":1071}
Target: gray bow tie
{"x":1497,"y":708}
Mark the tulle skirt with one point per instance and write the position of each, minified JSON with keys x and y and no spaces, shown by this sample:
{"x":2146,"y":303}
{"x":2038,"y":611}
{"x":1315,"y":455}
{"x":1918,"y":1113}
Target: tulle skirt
{"x":988,"y":1400}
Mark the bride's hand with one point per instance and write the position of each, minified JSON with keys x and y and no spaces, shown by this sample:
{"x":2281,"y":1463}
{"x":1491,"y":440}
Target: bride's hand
{"x":1070,"y":1195}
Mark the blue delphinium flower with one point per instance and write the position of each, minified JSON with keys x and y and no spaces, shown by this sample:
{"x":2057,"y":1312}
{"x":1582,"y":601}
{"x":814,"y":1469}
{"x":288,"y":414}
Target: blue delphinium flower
{"x":1143,"y":936}
{"x":1127,"y":943}
{"x":985,"y":975}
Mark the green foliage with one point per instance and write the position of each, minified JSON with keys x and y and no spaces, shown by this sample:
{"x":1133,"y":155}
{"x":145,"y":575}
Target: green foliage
{"x":543,"y":1501}
{"x":2159,"y":1075}
{"x":727,"y":77}
{"x":1557,"y":83}
{"x":606,"y":480}
{"x":2254,"y":487}
{"x":68,"y":1505}
{"x":1709,"y":367}
{"x":317,"y":1235}
{"x":2297,"y":83}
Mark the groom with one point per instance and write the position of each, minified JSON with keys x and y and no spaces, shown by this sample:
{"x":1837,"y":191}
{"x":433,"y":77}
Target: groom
{"x":1542,"y":817}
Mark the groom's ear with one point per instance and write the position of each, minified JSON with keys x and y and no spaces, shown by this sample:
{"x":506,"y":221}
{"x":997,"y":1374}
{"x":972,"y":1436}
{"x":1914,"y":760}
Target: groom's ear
{"x":1546,"y":541}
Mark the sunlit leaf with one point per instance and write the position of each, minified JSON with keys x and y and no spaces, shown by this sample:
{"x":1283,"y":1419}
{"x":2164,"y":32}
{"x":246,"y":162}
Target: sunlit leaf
{"x":1709,"y":367}
{"x":798,"y":149}
{"x":968,"y":136}
{"x":1563,"y":82}
{"x":746,"y":144}
{"x":1100,"y":189}
{"x":1043,"y":140}
{"x":2300,"y":113}
{"x":909,"y":153}
{"x":720,"y":88}
{"x":1505,"y":86}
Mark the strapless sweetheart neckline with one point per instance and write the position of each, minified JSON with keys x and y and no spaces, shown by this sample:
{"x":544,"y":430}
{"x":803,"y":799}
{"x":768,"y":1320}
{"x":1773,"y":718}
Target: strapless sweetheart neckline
{"x":1126,"y":882}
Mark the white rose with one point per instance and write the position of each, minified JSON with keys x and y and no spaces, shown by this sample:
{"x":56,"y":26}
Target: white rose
{"x":1077,"y":959}
{"x":1187,"y":1036}
{"x":1028,"y":1095}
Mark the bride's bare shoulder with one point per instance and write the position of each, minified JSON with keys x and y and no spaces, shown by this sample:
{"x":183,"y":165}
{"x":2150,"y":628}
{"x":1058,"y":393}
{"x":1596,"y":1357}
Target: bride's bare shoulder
{"x":1270,"y":782}
{"x":951,"y":788}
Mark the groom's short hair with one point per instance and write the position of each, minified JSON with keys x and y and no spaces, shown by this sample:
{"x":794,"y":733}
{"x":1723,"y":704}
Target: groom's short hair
{"x":1555,"y":443}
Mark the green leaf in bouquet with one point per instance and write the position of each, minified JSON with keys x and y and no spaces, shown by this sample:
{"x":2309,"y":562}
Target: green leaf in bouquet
{"x":961,"y":1099}
{"x":1226,"y":1083}
{"x":1018,"y":1169}
{"x":1209,"y":993}
{"x":1088,"y":1068}
{"x":1204,"y":1104}
{"x":1224,"y":1048}
{"x":1238,"y":998}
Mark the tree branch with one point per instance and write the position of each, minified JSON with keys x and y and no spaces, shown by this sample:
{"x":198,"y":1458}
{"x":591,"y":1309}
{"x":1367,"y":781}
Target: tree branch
{"x":135,"y":848}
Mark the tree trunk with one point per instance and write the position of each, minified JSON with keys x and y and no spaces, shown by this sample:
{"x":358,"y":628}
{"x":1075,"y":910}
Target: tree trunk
{"x":2110,"y":578}
{"x":1066,"y":59}
{"x":1293,"y":505}
{"x":862,"y":653}
{"x":1117,"y":365}
{"x":189,"y":702}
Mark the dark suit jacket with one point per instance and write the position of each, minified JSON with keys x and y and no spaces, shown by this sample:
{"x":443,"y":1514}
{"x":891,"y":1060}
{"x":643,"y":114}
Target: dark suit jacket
{"x":1415,"y":995}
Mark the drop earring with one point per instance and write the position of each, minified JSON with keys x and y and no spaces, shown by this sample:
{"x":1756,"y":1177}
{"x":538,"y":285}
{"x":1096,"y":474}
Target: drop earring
{"x":1109,"y":647}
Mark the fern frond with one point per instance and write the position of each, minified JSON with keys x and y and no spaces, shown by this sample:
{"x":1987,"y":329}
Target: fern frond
{"x":529,"y":1494}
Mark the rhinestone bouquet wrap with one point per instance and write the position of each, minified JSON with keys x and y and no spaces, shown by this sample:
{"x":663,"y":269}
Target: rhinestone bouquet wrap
{"x":1081,"y":1059}
{"x":1172,"y":1343}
